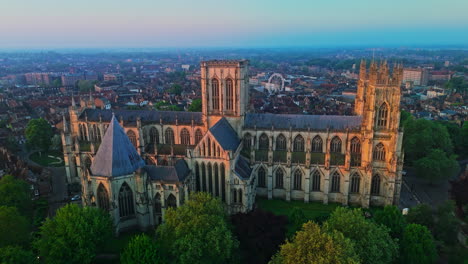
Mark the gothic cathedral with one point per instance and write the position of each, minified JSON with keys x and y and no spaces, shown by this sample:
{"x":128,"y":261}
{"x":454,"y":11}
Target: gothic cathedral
{"x":136,"y":164}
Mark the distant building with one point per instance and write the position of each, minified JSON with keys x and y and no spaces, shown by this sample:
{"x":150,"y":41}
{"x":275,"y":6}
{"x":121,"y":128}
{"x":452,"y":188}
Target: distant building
{"x":113,"y":77}
{"x":441,"y":75}
{"x":70,"y":79}
{"x":416,"y":76}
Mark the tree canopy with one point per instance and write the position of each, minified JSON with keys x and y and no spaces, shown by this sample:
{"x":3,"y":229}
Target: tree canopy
{"x":73,"y":235}
{"x":260,"y":234}
{"x":196,"y":105}
{"x":197,"y":232}
{"x":417,"y":245}
{"x":14,"y":228}
{"x":86,"y":85}
{"x":38,"y":134}
{"x":372,"y":241}
{"x":457,"y":84}
{"x":141,"y":250}
{"x":15,"y":193}
{"x":16,"y":255}
{"x":392,"y":218}
{"x":313,"y":245}
{"x":436,"y":165}
{"x":421,"y":214}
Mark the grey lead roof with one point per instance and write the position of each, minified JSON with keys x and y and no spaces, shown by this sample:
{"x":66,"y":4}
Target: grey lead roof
{"x":223,"y":132}
{"x":242,"y":168}
{"x":116,"y":155}
{"x":146,"y":116}
{"x":176,"y":173}
{"x":301,"y":122}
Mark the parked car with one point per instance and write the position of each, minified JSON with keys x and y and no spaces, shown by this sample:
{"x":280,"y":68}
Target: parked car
{"x":76,"y":197}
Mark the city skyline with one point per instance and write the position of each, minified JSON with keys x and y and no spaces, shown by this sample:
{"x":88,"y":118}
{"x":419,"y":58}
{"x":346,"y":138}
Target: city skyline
{"x":144,"y":24}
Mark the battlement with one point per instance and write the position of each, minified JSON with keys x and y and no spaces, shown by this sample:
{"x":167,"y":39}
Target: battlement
{"x":379,"y":74}
{"x":223,"y":63}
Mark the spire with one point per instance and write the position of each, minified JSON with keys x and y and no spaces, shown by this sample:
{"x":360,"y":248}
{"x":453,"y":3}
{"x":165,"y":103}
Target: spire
{"x":116,"y":155}
{"x":73,"y":100}
{"x":362,"y":70}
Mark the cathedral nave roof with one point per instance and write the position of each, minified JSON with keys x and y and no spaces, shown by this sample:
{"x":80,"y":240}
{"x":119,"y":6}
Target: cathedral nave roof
{"x":301,"y":122}
{"x":176,"y":173}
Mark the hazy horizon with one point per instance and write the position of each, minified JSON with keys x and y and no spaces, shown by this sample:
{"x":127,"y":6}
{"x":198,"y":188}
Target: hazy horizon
{"x":86,"y":24}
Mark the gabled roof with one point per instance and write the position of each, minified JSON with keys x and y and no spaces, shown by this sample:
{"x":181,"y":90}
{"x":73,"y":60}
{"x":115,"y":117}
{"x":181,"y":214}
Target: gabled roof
{"x":301,"y":122}
{"x":176,"y":173}
{"x":242,"y":168}
{"x":146,"y":116}
{"x":116,"y":155}
{"x":226,"y":136}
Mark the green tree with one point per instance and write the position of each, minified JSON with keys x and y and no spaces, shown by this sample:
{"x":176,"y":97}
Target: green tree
{"x":372,"y":242}
{"x":296,"y":219}
{"x":464,"y":137}
{"x":421,"y":214}
{"x":417,"y":245}
{"x":14,"y":228}
{"x":73,"y":235}
{"x":457,"y":84}
{"x":197,"y":232}
{"x":86,"y":85}
{"x":421,"y":136}
{"x":175,"y":89}
{"x":446,"y":228}
{"x":15,"y":193}
{"x":38,"y":134}
{"x":141,"y":249}
{"x":313,"y":245}
{"x":436,"y":166}
{"x":16,"y":255}
{"x":404,"y":117}
{"x":196,"y":105}
{"x":392,"y":218}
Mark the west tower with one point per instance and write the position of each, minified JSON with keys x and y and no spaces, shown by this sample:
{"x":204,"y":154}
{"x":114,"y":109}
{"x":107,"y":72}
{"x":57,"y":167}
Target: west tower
{"x":224,"y":91}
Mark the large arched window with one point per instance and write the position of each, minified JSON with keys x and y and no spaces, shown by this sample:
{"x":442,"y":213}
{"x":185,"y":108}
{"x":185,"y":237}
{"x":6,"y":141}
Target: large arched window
{"x":355,"y":146}
{"x":154,"y":136}
{"x":375,"y":185}
{"x":298,"y":143}
{"x":239,"y":192}
{"x":197,"y":177}
{"x":229,"y":95}
{"x":298,"y":180}
{"x":234,"y":196}
{"x":185,"y":137}
{"x":379,"y":152}
{"x":203,"y":169}
{"x":247,"y":141}
{"x":279,"y":179}
{"x":382,"y":116}
{"x":215,"y":94}
{"x":208,"y":147}
{"x":103,"y":197}
{"x":80,"y":127}
{"x":317,"y":144}
{"x":157,"y":204}
{"x":261,"y":177}
{"x":210,"y":178}
{"x":171,"y":201}
{"x":335,"y":182}
{"x":335,"y":145}
{"x":169,"y":136}
{"x":263,"y":142}
{"x":316,"y":181}
{"x":198,"y":136}
{"x":131,"y":135}
{"x":355,"y":152}
{"x":216,"y":179}
{"x":355,"y":182}
{"x":126,"y":206}
{"x":281,"y":142}
{"x":97,"y":135}
{"x":223,"y":182}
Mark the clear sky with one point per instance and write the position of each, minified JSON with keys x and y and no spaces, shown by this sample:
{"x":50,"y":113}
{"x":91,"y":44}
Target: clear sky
{"x":228,"y":23}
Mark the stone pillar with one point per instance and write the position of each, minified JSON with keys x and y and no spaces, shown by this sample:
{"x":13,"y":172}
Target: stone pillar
{"x":307,"y":185}
{"x":326,"y":186}
{"x":345,"y":188}
{"x":287,"y":184}
{"x":270,"y":182}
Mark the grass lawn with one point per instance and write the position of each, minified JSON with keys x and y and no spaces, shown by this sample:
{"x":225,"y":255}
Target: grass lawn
{"x":48,"y":159}
{"x":312,"y":210}
{"x":110,"y":253}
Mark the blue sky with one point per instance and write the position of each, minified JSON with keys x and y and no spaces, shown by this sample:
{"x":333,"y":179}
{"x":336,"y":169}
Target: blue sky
{"x":240,"y":23}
